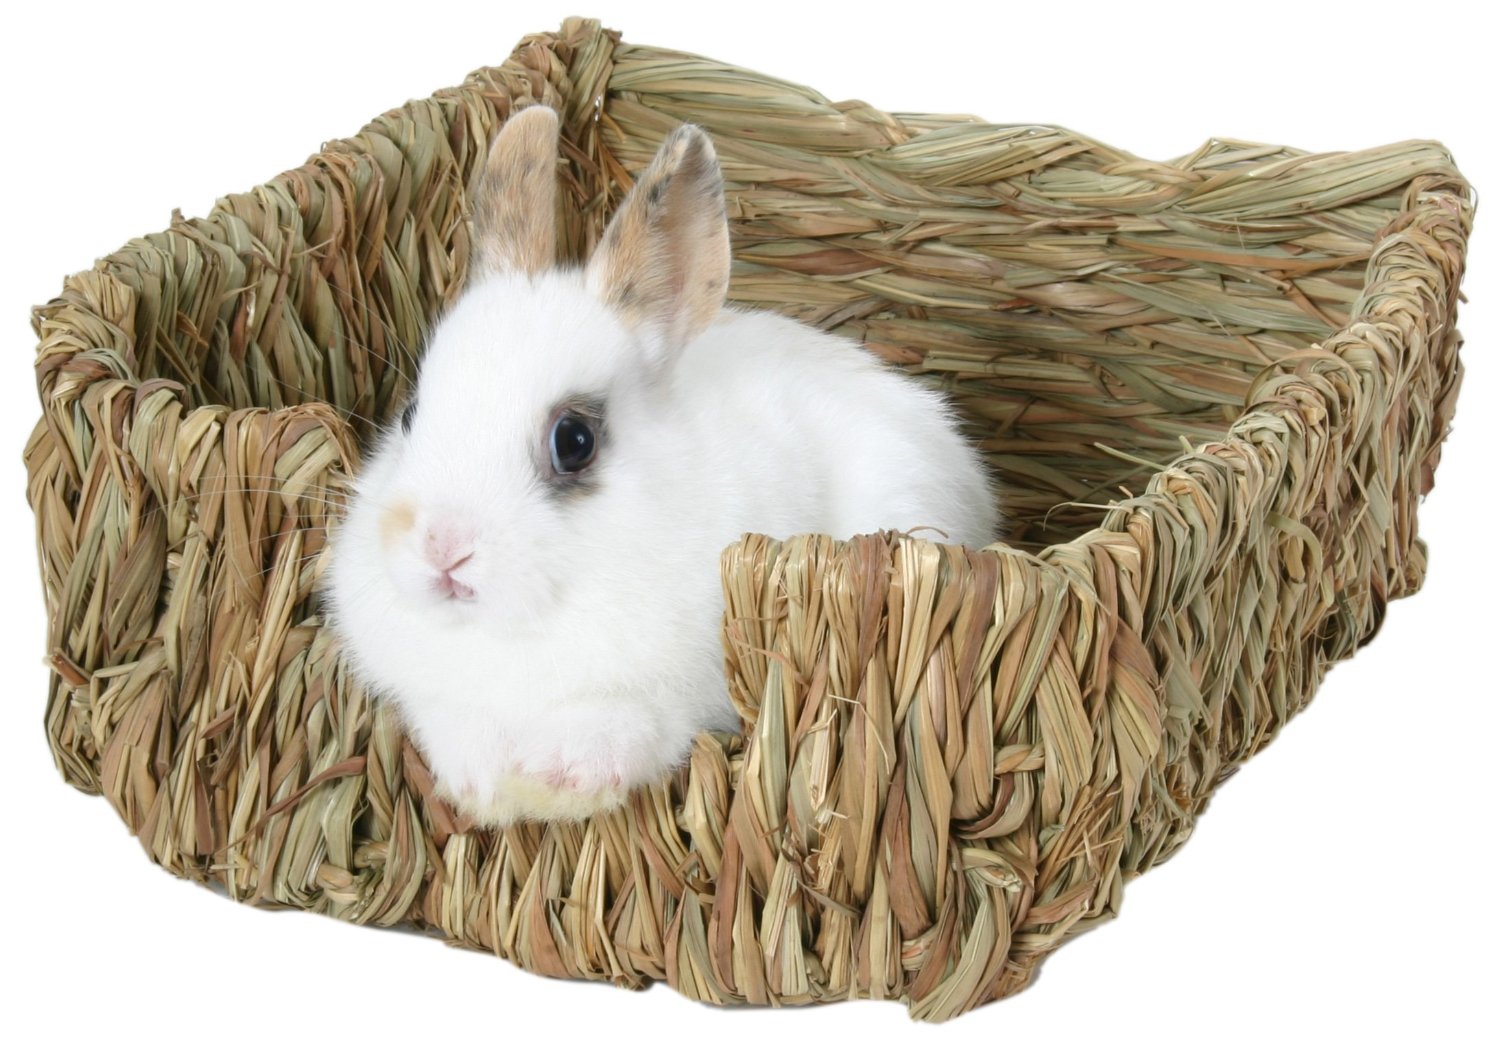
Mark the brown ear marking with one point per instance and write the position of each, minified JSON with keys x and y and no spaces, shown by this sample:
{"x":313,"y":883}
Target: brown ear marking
{"x":664,"y":259}
{"x":515,"y":204}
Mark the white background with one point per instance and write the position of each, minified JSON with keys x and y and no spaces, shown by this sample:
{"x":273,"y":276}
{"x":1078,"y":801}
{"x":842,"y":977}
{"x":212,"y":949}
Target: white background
{"x":1345,"y":879}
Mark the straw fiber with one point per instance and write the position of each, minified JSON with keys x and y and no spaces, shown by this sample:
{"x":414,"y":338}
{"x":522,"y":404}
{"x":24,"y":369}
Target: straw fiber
{"x":1214,"y":388}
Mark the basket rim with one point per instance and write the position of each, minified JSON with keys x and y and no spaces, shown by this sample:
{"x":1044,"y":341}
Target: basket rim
{"x":1437,"y":196}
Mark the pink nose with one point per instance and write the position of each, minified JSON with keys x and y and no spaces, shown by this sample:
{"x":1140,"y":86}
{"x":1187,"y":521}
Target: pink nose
{"x":447,"y":548}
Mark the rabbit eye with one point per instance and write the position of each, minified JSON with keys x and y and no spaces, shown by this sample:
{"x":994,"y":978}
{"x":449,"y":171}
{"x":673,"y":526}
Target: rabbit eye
{"x":407,"y":414}
{"x":572,"y":443}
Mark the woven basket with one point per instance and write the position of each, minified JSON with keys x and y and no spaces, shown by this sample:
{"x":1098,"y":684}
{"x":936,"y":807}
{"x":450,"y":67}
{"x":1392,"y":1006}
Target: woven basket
{"x":1214,"y":390}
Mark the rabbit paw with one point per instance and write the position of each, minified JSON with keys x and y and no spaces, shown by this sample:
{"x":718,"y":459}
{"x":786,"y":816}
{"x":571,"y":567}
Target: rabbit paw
{"x":583,"y":762}
{"x":574,"y":781}
{"x":581,"y":777}
{"x":562,"y":791}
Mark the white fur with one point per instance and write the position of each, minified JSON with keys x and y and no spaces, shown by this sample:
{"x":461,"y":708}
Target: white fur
{"x":589,"y":655}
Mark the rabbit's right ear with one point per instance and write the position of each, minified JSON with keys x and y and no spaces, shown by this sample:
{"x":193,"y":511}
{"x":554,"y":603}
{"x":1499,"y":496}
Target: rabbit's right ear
{"x":516,"y":204}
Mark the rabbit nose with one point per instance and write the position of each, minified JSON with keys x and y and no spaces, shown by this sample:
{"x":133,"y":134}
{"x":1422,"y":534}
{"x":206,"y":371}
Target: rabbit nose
{"x":447,"y":547}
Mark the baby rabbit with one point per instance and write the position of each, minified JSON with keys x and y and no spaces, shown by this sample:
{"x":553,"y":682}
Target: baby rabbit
{"x":529,"y":565}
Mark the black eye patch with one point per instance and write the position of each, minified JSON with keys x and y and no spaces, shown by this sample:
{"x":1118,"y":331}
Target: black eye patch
{"x":572,"y":441}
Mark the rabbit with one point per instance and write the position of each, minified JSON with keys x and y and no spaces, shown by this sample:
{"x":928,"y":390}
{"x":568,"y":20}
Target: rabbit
{"x":528,"y":566}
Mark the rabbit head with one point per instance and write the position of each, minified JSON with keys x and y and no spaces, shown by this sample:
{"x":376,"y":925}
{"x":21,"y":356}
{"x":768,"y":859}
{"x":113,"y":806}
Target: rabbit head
{"x":536,"y":449}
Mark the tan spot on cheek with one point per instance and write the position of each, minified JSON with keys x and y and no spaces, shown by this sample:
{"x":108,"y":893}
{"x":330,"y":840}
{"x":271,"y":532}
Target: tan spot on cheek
{"x":396,"y":521}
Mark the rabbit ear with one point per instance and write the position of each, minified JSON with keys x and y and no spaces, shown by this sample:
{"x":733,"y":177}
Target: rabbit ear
{"x":516,"y":204}
{"x":664,"y":260}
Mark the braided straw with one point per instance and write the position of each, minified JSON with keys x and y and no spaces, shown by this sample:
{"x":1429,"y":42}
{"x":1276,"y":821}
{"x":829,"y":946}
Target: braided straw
{"x":1214,"y":389}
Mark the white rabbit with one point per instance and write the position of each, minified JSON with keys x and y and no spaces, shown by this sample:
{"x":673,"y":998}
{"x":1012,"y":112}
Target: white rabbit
{"x":529,"y":565}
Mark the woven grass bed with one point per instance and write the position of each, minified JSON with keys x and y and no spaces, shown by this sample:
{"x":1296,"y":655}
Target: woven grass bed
{"x":1214,"y":389}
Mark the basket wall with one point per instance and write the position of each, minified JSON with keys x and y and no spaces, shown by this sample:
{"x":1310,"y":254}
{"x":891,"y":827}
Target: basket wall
{"x":952,"y":759}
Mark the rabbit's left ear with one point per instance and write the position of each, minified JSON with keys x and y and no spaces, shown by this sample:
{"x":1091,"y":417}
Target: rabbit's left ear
{"x":516,"y":204}
{"x":663,"y":264}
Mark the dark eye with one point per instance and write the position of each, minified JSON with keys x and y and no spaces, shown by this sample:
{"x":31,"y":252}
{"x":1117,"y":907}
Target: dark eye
{"x":407,"y":414}
{"x":571,"y":443}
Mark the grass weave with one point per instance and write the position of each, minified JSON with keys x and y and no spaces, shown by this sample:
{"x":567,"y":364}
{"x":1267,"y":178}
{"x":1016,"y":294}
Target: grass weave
{"x":1214,"y":390}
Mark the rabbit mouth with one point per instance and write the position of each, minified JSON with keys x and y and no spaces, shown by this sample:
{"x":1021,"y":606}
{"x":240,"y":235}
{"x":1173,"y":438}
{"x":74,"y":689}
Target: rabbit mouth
{"x":448,"y":587}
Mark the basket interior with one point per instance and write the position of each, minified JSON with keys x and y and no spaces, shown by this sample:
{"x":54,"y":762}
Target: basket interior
{"x":1092,"y":344}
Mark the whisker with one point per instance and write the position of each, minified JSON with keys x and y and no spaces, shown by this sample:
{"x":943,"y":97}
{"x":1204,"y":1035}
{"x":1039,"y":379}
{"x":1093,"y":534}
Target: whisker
{"x":393,"y":336}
